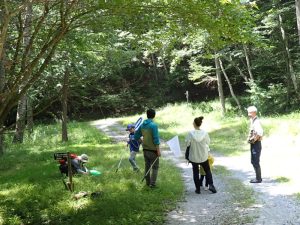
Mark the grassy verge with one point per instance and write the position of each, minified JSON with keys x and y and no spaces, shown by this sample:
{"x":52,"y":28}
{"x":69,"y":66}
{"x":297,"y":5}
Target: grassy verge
{"x":227,"y":135}
{"x":298,"y":196}
{"x":31,"y":190}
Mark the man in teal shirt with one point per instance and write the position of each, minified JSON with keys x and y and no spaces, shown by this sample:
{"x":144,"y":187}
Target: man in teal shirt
{"x":150,"y":142}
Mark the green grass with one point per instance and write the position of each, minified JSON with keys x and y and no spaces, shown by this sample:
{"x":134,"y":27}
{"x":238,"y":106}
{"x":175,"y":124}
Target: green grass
{"x":228,"y":135}
{"x":32,"y":192}
{"x":282,"y":179}
{"x":298,"y":196}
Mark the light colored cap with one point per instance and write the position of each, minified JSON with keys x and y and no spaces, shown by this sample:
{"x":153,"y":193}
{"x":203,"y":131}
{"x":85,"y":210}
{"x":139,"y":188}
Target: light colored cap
{"x":84,"y":158}
{"x":252,"y":109}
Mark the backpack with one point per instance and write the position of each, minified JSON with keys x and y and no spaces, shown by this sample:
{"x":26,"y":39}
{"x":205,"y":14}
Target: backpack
{"x":64,"y":159}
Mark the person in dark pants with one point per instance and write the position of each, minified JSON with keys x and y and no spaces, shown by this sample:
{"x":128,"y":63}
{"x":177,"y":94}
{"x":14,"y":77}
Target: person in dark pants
{"x":134,"y":146}
{"x":199,"y":141}
{"x":150,"y":142}
{"x":254,"y":139}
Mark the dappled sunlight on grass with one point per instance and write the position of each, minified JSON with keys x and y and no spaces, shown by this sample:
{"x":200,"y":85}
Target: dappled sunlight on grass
{"x":123,"y":192}
{"x":16,"y":189}
{"x":32,"y":192}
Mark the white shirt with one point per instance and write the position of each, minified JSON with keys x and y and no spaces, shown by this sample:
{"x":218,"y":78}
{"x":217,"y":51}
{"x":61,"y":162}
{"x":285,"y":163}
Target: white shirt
{"x":256,"y":126}
{"x":199,"y":141}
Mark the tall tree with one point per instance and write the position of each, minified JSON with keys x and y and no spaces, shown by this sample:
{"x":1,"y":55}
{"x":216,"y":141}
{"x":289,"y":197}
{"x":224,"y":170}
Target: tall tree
{"x":288,"y":58}
{"x":64,"y":102}
{"x":52,"y":21}
{"x":220,"y":84}
{"x":22,"y":103}
{"x":248,"y":62}
{"x":297,"y":5}
{"x":230,"y":86}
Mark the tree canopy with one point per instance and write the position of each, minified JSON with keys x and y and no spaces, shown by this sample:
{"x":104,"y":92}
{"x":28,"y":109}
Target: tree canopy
{"x":119,"y":53}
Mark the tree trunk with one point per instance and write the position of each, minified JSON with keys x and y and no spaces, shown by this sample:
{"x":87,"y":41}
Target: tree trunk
{"x":154,"y":66}
{"x":20,"y":121}
{"x":165,"y":67}
{"x":248,"y":63}
{"x":22,"y":105}
{"x":29,"y":115}
{"x":288,"y":57}
{"x":297,"y":4}
{"x":230,"y":86}
{"x":238,"y":69}
{"x":65,"y":106}
{"x":1,"y":144}
{"x":220,"y":87}
{"x":2,"y":79}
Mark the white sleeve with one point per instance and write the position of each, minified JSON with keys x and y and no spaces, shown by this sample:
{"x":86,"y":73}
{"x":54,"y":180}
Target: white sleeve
{"x":188,"y":139}
{"x":258,"y":128}
{"x":207,"y":139}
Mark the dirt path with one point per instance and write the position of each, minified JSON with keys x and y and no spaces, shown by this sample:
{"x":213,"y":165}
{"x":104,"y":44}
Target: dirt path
{"x":275,"y":204}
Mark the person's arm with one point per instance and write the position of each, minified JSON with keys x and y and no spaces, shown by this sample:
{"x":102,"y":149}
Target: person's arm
{"x":207,"y":139}
{"x":138,"y":134}
{"x":188,"y":139}
{"x":82,"y":172}
{"x":76,"y":165}
{"x":156,"y":140}
{"x":258,"y":128}
{"x":155,"y":134}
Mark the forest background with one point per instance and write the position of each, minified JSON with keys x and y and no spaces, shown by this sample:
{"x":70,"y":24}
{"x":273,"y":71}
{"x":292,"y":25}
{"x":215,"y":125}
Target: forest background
{"x":63,"y":60}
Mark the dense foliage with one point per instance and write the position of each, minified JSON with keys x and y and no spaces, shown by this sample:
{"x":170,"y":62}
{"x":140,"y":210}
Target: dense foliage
{"x":124,"y":56}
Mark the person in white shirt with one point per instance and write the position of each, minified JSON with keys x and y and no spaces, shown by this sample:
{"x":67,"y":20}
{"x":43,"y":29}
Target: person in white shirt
{"x":198,"y":140}
{"x":254,"y":139}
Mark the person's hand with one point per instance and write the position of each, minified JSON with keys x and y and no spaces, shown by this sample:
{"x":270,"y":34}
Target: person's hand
{"x":158,"y":152}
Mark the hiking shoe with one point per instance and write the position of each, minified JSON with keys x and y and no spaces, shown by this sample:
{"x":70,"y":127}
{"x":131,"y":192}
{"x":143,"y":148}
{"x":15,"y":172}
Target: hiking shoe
{"x":205,"y":188}
{"x":197,"y":191}
{"x":152,"y":186}
{"x":255,"y":181}
{"x":212,"y":188}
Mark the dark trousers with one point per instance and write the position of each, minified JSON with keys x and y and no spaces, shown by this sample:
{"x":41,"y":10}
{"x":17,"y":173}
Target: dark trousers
{"x":196,"y":176}
{"x":255,"y":158}
{"x":201,"y":180}
{"x":150,"y":157}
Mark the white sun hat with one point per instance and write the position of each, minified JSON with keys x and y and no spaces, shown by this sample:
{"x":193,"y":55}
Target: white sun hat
{"x":252,"y":109}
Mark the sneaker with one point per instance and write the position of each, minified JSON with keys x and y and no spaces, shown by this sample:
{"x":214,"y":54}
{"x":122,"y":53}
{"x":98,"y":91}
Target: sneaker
{"x":205,"y":188}
{"x":212,"y":188}
{"x":197,"y":191}
{"x":255,"y":181}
